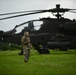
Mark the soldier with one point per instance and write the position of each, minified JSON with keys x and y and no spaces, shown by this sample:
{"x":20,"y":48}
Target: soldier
{"x":26,"y":46}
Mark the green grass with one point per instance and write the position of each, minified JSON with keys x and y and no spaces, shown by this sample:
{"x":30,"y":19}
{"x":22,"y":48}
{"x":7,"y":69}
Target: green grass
{"x":55,"y":63}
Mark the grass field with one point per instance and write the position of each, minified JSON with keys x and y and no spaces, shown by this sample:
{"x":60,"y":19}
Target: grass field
{"x":55,"y":63}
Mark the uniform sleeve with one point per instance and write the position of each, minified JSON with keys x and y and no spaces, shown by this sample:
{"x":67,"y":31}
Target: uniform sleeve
{"x":22,"y":40}
{"x":29,"y":43}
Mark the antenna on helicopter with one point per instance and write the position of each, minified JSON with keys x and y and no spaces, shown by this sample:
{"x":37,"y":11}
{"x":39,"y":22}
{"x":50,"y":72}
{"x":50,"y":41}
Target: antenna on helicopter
{"x":58,"y":7}
{"x":58,"y":10}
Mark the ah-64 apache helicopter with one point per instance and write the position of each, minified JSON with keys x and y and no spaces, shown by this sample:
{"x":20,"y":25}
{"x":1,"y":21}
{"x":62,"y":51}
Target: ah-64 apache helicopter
{"x":54,"y":33}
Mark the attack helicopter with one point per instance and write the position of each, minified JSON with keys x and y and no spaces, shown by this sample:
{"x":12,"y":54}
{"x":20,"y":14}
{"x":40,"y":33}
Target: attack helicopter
{"x":54,"y":33}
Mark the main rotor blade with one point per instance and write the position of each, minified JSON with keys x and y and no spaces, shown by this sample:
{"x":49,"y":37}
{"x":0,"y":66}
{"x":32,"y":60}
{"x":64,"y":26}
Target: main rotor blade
{"x":19,"y":12}
{"x":24,"y":14}
{"x":55,"y":10}
{"x":72,"y":11}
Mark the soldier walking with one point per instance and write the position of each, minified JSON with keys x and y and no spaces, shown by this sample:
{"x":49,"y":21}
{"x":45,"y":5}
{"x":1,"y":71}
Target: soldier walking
{"x":26,"y":46}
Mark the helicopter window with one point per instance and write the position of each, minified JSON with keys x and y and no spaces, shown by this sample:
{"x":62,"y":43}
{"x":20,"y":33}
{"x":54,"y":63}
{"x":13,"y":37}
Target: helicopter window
{"x":37,"y":25}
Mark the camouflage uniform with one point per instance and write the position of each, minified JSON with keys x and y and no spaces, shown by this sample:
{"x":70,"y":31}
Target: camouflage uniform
{"x":26,"y":47}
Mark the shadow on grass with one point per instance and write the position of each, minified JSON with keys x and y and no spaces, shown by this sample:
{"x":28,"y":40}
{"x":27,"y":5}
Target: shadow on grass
{"x":52,"y":52}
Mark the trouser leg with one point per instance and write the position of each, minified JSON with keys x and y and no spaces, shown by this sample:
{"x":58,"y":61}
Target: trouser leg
{"x":25,"y":58}
{"x":26,"y":55}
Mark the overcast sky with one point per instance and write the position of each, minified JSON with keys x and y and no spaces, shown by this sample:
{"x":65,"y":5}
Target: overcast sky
{"x":7,"y":6}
